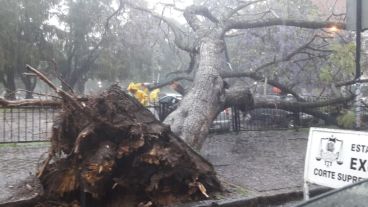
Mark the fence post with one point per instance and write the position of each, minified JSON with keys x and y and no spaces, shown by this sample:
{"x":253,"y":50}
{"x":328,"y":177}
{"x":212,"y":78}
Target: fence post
{"x":235,"y":119}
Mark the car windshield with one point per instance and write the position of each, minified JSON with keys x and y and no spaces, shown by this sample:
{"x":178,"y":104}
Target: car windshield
{"x":352,"y":196}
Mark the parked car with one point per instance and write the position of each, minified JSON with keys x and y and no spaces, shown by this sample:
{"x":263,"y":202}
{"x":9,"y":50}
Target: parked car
{"x":222,"y":121}
{"x":169,"y":102}
{"x":171,"y":98}
{"x":270,"y":117}
{"x":355,"y":194}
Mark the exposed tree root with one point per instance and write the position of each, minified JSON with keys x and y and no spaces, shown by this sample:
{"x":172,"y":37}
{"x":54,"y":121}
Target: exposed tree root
{"x":118,"y":154}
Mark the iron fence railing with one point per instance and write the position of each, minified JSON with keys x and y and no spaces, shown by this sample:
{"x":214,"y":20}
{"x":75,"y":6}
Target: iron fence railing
{"x":26,"y":124}
{"x":30,"y":124}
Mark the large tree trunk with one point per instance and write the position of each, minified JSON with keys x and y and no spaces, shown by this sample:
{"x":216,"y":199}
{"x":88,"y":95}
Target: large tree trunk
{"x":193,"y":118}
{"x":81,"y":86}
{"x":30,"y":85}
{"x":10,"y":87}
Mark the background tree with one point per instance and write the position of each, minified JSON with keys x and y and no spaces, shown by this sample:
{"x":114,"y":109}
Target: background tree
{"x":82,"y":32}
{"x":22,"y":41}
{"x":223,"y":47}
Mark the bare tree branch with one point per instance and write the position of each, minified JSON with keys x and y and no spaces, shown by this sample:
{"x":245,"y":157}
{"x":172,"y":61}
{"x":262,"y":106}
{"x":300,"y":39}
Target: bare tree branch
{"x":70,"y":99}
{"x":351,"y":82}
{"x":287,"y":57}
{"x":244,"y":24}
{"x":191,"y":12}
{"x":299,"y":106}
{"x":178,"y":33}
{"x":191,"y":66}
{"x":255,"y":76}
{"x":57,"y":74}
{"x":168,"y":82}
{"x":29,"y":102}
{"x":271,"y":82}
{"x":241,"y":6}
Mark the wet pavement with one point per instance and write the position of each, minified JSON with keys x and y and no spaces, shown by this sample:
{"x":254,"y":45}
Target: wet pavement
{"x":17,"y":163}
{"x":259,"y":161}
{"x":256,"y":163}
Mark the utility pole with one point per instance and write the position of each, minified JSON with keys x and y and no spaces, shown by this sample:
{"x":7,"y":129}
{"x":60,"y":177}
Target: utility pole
{"x":357,"y":63}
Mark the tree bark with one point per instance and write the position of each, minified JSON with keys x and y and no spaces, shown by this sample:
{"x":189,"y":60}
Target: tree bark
{"x":80,"y":86}
{"x":207,"y":98}
{"x":30,"y":85}
{"x":10,"y":87}
{"x":193,"y":118}
{"x":305,"y":107}
{"x":29,"y":102}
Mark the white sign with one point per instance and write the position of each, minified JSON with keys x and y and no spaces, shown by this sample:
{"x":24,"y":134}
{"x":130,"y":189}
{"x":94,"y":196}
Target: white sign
{"x":336,"y":158}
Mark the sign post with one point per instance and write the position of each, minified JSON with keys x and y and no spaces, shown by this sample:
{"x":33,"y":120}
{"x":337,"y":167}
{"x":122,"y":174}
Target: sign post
{"x":335,"y":158}
{"x":357,"y":19}
{"x":352,"y":14}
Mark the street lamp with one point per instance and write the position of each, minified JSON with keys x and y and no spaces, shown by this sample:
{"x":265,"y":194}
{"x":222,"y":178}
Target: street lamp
{"x":333,"y":29}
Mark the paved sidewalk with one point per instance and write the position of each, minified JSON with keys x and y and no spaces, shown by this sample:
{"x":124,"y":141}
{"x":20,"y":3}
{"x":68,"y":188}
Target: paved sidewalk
{"x":263,"y":163}
{"x":17,"y":163}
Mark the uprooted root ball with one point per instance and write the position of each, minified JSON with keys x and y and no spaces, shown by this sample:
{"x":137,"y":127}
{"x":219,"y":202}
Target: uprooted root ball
{"x":115,"y":153}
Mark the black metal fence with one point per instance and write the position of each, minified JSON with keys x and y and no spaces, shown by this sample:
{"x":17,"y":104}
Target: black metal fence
{"x":26,"y":124}
{"x":233,"y":119}
{"x":29,"y":124}
{"x":274,"y":118}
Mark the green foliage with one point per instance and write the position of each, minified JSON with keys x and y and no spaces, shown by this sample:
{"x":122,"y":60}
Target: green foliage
{"x":344,"y":56}
{"x":326,"y":75}
{"x":22,"y":38}
{"x":340,"y":65}
{"x":347,"y":119}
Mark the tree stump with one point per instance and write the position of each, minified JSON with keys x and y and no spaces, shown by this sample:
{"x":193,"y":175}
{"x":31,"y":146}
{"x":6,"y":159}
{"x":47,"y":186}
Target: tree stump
{"x":114,"y":152}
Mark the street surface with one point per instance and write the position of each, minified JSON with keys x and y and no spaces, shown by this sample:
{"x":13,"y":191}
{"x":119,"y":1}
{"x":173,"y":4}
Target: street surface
{"x":260,"y":161}
{"x":251,"y":163}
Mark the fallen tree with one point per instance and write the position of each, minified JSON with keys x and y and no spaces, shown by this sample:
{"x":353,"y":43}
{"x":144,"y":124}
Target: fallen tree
{"x":207,"y":47}
{"x":109,"y":150}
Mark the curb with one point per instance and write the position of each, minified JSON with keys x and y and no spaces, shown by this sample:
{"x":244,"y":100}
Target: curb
{"x":257,"y":201}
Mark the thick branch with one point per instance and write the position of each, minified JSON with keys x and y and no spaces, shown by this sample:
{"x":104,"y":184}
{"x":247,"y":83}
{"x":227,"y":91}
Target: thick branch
{"x":271,"y":82}
{"x":308,"y":108}
{"x":191,"y":13}
{"x":29,"y":102}
{"x":168,"y":82}
{"x":244,"y":24}
{"x":239,"y":97}
{"x":265,"y":102}
{"x":69,"y":99}
{"x":351,"y":82}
